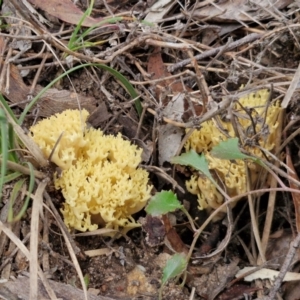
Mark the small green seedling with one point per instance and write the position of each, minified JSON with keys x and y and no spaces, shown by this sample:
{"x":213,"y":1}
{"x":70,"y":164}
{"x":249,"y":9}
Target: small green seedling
{"x":175,"y":266}
{"x":160,"y":204}
{"x":163,"y":203}
{"x":86,"y":279}
{"x":229,"y":150}
{"x":194,"y":160}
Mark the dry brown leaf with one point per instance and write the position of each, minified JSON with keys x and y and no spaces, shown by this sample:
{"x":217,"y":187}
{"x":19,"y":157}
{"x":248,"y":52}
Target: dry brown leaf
{"x":278,"y":247}
{"x":237,"y":291}
{"x":19,"y":288}
{"x":64,"y":10}
{"x":239,"y":10}
{"x":210,"y":285}
{"x":266,"y":274}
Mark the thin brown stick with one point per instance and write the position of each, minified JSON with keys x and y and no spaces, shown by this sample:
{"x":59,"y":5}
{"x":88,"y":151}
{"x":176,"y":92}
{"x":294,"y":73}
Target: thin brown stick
{"x":247,"y":39}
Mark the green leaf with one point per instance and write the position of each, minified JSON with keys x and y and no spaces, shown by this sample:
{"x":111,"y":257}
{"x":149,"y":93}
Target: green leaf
{"x":162,"y":203}
{"x":228,"y":150}
{"x":174,"y":267}
{"x":193,"y":159}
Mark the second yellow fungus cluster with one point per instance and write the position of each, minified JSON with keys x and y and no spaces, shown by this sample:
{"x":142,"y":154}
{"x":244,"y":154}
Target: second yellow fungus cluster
{"x":232,"y":174}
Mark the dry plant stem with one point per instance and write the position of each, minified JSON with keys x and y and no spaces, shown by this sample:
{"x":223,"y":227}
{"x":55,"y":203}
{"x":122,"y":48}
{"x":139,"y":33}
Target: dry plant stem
{"x":25,"y":251}
{"x":156,"y":43}
{"x":16,"y":228}
{"x":286,"y":264}
{"x":235,"y":199}
{"x":192,"y":295}
{"x":247,"y":39}
{"x":45,"y":258}
{"x":223,"y":50}
{"x":4,"y":71}
{"x":34,"y":239}
{"x":50,"y":64}
{"x":226,"y":239}
{"x":272,"y":194}
{"x":287,"y":140}
{"x":260,"y":67}
{"x":37,"y":76}
{"x":57,"y":256}
{"x":69,"y":243}
{"x":30,"y":56}
{"x":28,"y":142}
{"x":216,"y":110}
{"x":269,"y":168}
{"x":140,"y":123}
{"x":60,"y":222}
{"x":248,"y":253}
{"x":160,"y":79}
{"x":190,"y":16}
{"x":295,"y":197}
{"x":161,"y":173}
{"x":14,"y":252}
{"x":169,"y":121}
{"x":19,"y":168}
{"x":254,"y":219}
{"x":202,"y":85}
{"x":2,"y":75}
{"x":291,"y":89}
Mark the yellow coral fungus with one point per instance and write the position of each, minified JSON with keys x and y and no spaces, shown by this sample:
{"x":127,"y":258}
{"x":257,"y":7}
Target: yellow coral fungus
{"x":232,"y":175}
{"x":101,"y":181}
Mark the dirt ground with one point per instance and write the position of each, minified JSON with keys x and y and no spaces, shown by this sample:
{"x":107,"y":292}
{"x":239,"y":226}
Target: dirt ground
{"x":201,"y":52}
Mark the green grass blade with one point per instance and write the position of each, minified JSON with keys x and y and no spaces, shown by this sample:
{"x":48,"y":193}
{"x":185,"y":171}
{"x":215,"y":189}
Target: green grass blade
{"x":12,"y":155}
{"x":13,"y":196}
{"x":6,"y":108}
{"x":4,"y":148}
{"x":72,"y":41}
{"x":30,"y":189}
{"x":12,"y":176}
{"x":127,"y":85}
{"x":111,"y":20}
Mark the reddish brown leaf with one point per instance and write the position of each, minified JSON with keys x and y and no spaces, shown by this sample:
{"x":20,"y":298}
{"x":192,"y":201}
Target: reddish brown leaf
{"x":158,"y":70}
{"x":173,"y":237}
